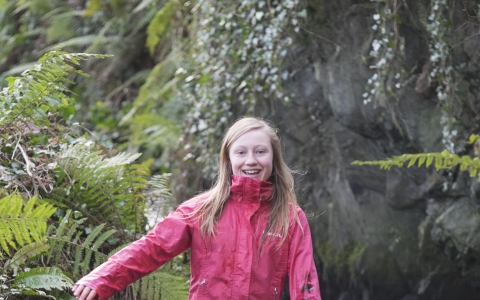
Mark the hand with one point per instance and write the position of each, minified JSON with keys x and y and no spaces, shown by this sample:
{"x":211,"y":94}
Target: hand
{"x":82,"y":292}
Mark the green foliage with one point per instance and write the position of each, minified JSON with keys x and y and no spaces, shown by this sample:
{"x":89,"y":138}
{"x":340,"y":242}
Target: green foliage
{"x":233,"y":68}
{"x":60,"y":27}
{"x":160,"y":23}
{"x":21,"y":224}
{"x":46,"y":278}
{"x":66,"y":242}
{"x":93,"y":7}
{"x":341,"y":261}
{"x":442,"y":160}
{"x":40,"y":91}
{"x":159,"y":197}
{"x":105,"y":189}
{"x":74,"y":173}
{"x":160,"y":285}
{"x":25,"y":253}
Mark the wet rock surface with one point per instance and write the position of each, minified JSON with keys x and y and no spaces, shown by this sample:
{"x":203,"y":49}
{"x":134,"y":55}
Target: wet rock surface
{"x":407,"y":234}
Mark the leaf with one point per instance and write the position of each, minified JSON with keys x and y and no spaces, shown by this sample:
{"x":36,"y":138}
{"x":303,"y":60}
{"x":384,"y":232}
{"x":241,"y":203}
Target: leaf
{"x":429,"y":160}
{"x":19,"y":224}
{"x":47,"y":278}
{"x":473,"y":138}
{"x":421,"y":160}
{"x":438,"y":163}
{"x":93,"y":7}
{"x":473,"y":172}
{"x":160,"y":24}
{"x":27,"y":252}
{"x":412,"y":162}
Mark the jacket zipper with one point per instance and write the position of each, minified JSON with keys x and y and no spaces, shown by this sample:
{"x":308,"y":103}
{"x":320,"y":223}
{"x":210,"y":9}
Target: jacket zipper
{"x":275,"y":293}
{"x":202,"y":288}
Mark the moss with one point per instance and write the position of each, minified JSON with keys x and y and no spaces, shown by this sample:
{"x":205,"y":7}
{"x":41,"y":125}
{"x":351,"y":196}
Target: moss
{"x":340,"y":262}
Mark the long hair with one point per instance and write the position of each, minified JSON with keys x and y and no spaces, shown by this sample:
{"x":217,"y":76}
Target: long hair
{"x":283,"y":184}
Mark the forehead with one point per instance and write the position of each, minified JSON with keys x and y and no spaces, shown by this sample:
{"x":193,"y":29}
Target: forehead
{"x":252,"y":138}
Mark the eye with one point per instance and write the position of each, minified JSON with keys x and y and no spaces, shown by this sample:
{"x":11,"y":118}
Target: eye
{"x":261,"y":151}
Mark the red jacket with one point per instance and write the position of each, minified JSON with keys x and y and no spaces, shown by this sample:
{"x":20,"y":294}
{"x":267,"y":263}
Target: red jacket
{"x":226,"y":266}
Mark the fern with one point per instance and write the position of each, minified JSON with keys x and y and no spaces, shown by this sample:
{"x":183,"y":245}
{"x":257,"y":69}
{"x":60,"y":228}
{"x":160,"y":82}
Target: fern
{"x":93,"y":7}
{"x":40,"y":90}
{"x":439,"y":160}
{"x":20,"y":224}
{"x":66,"y":242}
{"x":25,"y":253}
{"x":60,"y":26}
{"x":160,"y":23}
{"x":160,"y":285}
{"x":160,"y":198}
{"x":47,"y":278}
{"x":104,"y":189}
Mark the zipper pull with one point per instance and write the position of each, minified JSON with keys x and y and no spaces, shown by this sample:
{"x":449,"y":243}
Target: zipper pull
{"x":275,"y":293}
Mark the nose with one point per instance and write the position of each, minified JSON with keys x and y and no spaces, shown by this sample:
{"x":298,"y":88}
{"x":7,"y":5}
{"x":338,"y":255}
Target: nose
{"x":251,"y":160}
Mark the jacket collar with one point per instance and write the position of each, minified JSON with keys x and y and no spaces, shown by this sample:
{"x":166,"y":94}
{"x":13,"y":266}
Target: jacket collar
{"x":244,"y":189}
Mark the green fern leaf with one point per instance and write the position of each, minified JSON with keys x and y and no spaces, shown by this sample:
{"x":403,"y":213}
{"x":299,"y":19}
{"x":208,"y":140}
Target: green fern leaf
{"x":108,"y":189}
{"x":159,"y":24}
{"x":47,"y":278}
{"x":93,"y":7}
{"x":20,"y":224}
{"x":438,"y":163}
{"x":473,"y":172}
{"x":429,"y":160}
{"x":473,"y":138}
{"x":27,"y":252}
{"x":162,"y":285}
{"x":421,"y":160}
{"x":413,"y":160}
{"x":26,"y":96}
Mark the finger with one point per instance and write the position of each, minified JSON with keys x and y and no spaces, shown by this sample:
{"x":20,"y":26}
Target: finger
{"x":78,"y":289}
{"x":92,"y":295}
{"x":85,"y":293}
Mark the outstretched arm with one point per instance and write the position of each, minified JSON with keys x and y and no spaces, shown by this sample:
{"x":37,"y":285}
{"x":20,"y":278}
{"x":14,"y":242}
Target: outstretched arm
{"x":169,"y":238}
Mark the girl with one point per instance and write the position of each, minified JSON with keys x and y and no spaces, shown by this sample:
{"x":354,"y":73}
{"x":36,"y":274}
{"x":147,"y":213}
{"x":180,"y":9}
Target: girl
{"x":246,"y":234}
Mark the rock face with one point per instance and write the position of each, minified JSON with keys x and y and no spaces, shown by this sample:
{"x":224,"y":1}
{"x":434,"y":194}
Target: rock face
{"x":407,"y":233}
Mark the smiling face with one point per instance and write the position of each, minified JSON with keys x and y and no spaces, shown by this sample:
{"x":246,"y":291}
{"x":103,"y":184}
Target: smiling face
{"x":251,"y":155}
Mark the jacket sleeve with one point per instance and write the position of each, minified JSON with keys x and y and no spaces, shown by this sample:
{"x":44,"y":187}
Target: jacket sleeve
{"x":302,"y":273}
{"x":169,"y":238}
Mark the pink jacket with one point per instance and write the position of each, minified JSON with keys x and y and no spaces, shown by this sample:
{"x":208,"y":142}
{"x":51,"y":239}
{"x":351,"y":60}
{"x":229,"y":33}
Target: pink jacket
{"x":226,"y":266}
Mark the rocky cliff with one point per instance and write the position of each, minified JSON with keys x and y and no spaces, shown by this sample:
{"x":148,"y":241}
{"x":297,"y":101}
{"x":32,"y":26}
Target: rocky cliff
{"x":408,"y":233}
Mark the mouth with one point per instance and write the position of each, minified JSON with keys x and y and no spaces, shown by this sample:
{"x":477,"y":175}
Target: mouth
{"x":251,"y":172}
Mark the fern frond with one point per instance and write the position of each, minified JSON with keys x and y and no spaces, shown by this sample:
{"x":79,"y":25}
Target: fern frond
{"x":20,"y":224}
{"x":25,"y":253}
{"x":47,"y":278}
{"x":159,"y":196}
{"x":93,"y":7}
{"x":105,"y":189}
{"x":440,"y":160}
{"x":66,"y":242}
{"x":160,"y":285}
{"x":46,"y":83}
{"x":159,"y":24}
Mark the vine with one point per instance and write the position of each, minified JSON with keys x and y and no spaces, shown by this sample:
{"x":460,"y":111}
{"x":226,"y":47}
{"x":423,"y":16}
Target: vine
{"x":438,"y":74}
{"x":386,"y":46}
{"x":443,"y":73}
{"x":237,"y":55}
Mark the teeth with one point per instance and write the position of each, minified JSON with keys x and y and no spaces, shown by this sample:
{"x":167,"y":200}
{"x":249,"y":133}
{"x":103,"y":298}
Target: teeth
{"x":251,"y":172}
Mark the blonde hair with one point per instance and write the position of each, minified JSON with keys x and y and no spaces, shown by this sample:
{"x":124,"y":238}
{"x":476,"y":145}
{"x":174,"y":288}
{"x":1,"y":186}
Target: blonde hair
{"x":283,"y":184}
